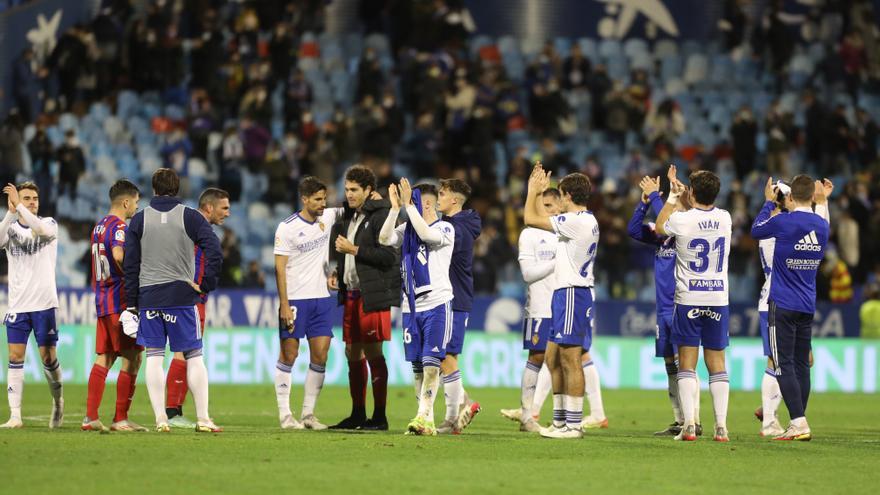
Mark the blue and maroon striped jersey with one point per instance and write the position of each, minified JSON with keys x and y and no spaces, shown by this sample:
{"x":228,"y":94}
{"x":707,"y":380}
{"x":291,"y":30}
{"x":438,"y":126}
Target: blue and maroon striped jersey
{"x":106,"y":273}
{"x":200,"y":271}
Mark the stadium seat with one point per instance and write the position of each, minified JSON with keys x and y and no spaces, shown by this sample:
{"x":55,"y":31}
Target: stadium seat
{"x":665,"y":48}
{"x":696,"y":68}
{"x":589,"y":48}
{"x":610,"y":48}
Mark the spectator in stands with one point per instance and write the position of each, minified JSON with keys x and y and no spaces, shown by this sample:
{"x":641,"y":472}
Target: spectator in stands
{"x":599,"y":84}
{"x":841,"y":286}
{"x":847,"y":231}
{"x":733,"y":24}
{"x":459,"y":102}
{"x":230,"y":275}
{"x":866,"y":133}
{"x":617,"y":111}
{"x":42,"y":155}
{"x":67,"y":61}
{"x":852,"y":54}
{"x":232,"y":159}
{"x":838,"y":139}
{"x":297,"y":98}
{"x":207,"y":54}
{"x":576,"y":70}
{"x":254,"y":140}
{"x":71,"y":164}
{"x":638,"y":94}
{"x":816,"y":116}
{"x":370,"y":79}
{"x":257,"y":105}
{"x":778,"y":124}
{"x":254,"y":277}
{"x":744,"y":134}
{"x":281,"y":53}
{"x":11,"y":160}
{"x":278,"y":173}
{"x":27,"y":81}
{"x":663,"y":126}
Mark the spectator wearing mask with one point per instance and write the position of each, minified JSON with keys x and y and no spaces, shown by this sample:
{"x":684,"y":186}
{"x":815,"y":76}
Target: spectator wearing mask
{"x":72,"y":164}
{"x":744,"y":133}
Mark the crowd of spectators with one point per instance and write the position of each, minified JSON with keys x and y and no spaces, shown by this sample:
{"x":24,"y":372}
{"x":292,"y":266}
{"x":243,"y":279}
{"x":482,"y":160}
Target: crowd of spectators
{"x":433,"y":107}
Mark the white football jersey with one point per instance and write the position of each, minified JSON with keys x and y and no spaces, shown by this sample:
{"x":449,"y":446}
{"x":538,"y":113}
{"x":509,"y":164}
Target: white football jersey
{"x":439,"y":258}
{"x":307,"y":246}
{"x":536,"y":247}
{"x":702,"y":246}
{"x":31,"y":261}
{"x":578,"y":239}
{"x":766,"y":247}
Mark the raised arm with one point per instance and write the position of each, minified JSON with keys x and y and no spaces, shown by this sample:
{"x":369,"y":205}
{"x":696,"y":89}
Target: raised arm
{"x":765,"y":226}
{"x":7,"y":222}
{"x":388,"y":235}
{"x":636,"y":228}
{"x":824,"y":189}
{"x":42,"y":227}
{"x":534,"y":213}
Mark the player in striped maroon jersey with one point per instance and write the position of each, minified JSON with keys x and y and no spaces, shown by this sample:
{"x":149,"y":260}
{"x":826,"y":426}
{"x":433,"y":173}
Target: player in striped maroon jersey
{"x":214,"y":205}
{"x":108,"y":241}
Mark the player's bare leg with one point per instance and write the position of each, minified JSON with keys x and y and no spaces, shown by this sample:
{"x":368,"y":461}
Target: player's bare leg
{"x":97,"y":383}
{"x":318,"y":349}
{"x":197,"y":380}
{"x":125,"y":386}
{"x":379,"y":382}
{"x":286,"y":358}
{"x":564,"y":362}
{"x":593,"y":393}
{"x":525,"y":415}
{"x":771,"y":397}
{"x":15,"y":385}
{"x":688,"y":387}
{"x":155,"y":378}
{"x":176,"y":383}
{"x":672,"y":389}
{"x":357,"y":387}
{"x":52,"y":372}
{"x":719,"y":386}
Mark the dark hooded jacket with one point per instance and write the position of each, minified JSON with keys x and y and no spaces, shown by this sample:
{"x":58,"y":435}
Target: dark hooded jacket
{"x":468,"y":226}
{"x":378,"y":266}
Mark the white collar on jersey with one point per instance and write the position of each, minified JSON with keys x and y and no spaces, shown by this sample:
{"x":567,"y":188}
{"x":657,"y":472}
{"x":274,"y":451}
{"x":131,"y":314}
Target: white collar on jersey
{"x":804,"y":208}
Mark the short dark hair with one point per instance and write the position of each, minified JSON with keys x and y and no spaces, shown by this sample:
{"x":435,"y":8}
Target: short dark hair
{"x":552,"y":191}
{"x":456,"y":186}
{"x":122,"y":188}
{"x":166,"y":182}
{"x":211,"y":195}
{"x":362,"y":176}
{"x":802,"y":188}
{"x":426,"y":188}
{"x":28,"y":184}
{"x":705,"y":186}
{"x":576,"y":185}
{"x":310,"y":185}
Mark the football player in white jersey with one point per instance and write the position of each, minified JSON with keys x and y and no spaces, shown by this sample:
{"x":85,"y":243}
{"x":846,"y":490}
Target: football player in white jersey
{"x":572,"y":304}
{"x":701,"y":313}
{"x":771,"y":396}
{"x":425,"y":244}
{"x":537,"y":259}
{"x":301,"y":274}
{"x":31,"y":244}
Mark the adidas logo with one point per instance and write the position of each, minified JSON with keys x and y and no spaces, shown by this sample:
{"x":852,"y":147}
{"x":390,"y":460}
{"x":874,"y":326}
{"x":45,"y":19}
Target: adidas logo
{"x":808,"y":243}
{"x":435,"y":349}
{"x":558,"y":335}
{"x":302,"y":234}
{"x":543,"y":241}
{"x":52,"y":332}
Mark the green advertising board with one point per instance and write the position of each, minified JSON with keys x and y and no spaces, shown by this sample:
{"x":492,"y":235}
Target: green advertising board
{"x":247,"y":356}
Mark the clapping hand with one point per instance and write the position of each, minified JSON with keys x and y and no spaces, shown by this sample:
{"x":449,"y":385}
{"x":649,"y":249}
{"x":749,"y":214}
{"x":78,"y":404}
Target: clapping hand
{"x":648,"y":186}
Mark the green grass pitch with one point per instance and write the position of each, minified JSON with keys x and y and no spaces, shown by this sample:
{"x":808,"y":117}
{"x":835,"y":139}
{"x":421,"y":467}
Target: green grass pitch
{"x":254,"y":456}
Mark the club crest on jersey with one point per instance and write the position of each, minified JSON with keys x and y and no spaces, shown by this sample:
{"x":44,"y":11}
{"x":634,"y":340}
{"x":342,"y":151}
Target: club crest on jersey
{"x":120,"y":236}
{"x":701,"y":285}
{"x":535,"y":338}
{"x":321,"y":226}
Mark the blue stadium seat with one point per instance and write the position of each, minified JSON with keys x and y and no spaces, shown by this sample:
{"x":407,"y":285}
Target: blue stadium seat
{"x":589,"y":48}
{"x":610,"y":48}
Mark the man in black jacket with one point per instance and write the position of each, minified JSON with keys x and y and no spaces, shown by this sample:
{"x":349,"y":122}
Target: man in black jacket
{"x":369,"y":284}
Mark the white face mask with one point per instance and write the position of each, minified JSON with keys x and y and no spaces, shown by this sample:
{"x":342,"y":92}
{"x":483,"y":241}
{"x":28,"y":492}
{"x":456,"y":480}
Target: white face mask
{"x":73,"y":141}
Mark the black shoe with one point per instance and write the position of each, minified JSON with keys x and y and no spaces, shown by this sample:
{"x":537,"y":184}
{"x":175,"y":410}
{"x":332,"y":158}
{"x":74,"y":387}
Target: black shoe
{"x":699,"y":430}
{"x":349,"y":423}
{"x":373,"y":424}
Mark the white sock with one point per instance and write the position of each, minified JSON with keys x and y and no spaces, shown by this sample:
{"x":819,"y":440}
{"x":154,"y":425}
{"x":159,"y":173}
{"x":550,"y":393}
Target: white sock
{"x":418,"y":379}
{"x":314,"y":384}
{"x":430,"y":386}
{"x":687,"y":382}
{"x":156,"y":383}
{"x":15,"y":389}
{"x":672,"y":388}
{"x":771,"y":396}
{"x":52,"y":372}
{"x":800,"y":422}
{"x":282,"y":388}
{"x":593,"y":391}
{"x":453,"y":391}
{"x":542,"y":390}
{"x":697,"y":391}
{"x":197,"y":381}
{"x":558,"y":410}
{"x":529,"y":384}
{"x":574,"y":410}
{"x":719,"y":385}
